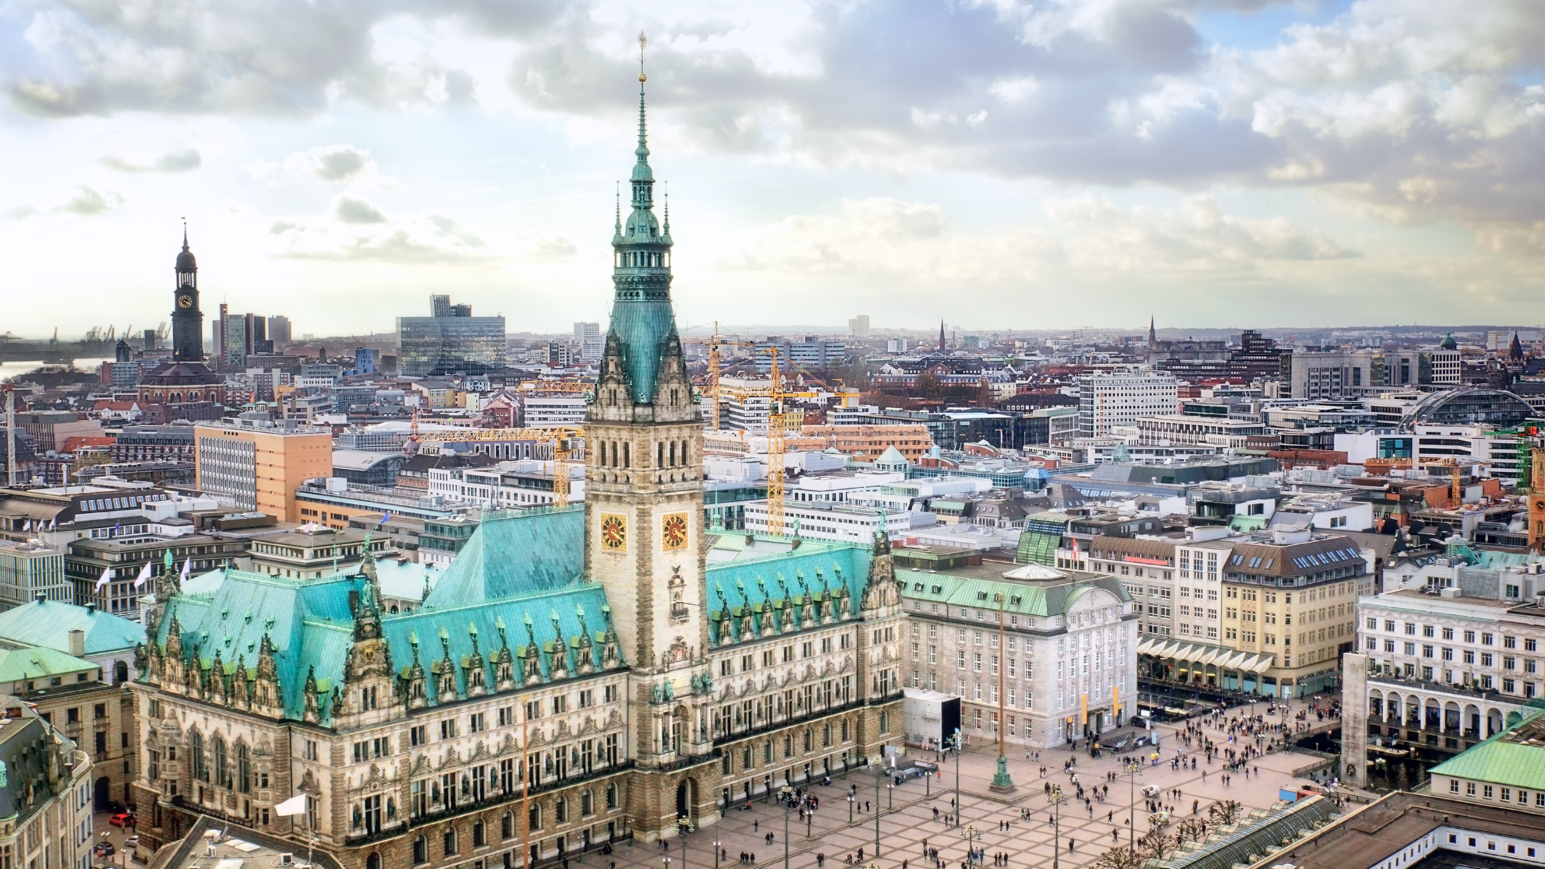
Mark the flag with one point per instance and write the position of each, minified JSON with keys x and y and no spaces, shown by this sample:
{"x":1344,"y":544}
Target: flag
{"x":107,"y":574}
{"x":1075,"y":551}
{"x":53,"y":523}
{"x":386,"y":518}
{"x":293,"y":806}
{"x":187,"y":565}
{"x":144,"y":576}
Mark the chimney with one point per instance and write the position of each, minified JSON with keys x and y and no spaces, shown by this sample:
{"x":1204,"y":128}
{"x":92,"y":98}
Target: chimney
{"x":77,"y":642}
{"x":40,"y":597}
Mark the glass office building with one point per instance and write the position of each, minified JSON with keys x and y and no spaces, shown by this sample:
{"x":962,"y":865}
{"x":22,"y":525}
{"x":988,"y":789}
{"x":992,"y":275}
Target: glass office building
{"x":452,"y":341}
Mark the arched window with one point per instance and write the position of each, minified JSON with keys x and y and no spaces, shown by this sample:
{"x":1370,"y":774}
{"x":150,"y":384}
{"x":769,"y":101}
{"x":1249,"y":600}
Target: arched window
{"x":196,"y":756}
{"x":243,"y":768}
{"x":534,"y":818}
{"x":120,"y":673}
{"x":479,"y":834}
{"x":222,"y":771}
{"x":373,"y":861}
{"x":586,"y":802}
{"x":561,"y":810}
{"x":420,"y":850}
{"x":449,"y":843}
{"x":507,"y":826}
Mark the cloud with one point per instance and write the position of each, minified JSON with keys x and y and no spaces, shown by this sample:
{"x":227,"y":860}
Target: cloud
{"x":908,"y":241}
{"x":335,"y":164}
{"x":357,"y":211}
{"x":176,"y":159}
{"x":89,"y":202}
{"x":356,"y":230}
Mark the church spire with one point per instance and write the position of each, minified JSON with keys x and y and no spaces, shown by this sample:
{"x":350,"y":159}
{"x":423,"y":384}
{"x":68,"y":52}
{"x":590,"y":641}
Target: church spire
{"x":941,"y":336}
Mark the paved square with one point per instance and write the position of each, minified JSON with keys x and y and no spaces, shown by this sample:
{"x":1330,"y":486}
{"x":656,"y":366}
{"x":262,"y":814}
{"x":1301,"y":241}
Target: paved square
{"x":906,"y":824}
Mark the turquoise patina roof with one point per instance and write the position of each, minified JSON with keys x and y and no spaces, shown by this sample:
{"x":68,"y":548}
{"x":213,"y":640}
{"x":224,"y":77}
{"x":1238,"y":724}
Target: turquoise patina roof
{"x":520,"y":573}
{"x":48,"y":623}
{"x":1505,"y":759}
{"x":515,"y":553}
{"x":1036,"y":599}
{"x":19,"y":665}
{"x":760,"y":579}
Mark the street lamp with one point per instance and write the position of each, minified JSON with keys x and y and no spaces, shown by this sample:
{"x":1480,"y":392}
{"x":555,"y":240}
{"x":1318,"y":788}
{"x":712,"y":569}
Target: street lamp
{"x":784,"y":795}
{"x":970,"y":834}
{"x":890,"y":797}
{"x":716,"y":846}
{"x":851,"y":801}
{"x":879,"y":773}
{"x":958,"y":743}
{"x":1133,"y":768}
{"x":1056,"y":799}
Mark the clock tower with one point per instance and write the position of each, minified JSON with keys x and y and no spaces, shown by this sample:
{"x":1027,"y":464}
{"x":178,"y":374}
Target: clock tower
{"x":644,"y":511}
{"x":187,"y":319}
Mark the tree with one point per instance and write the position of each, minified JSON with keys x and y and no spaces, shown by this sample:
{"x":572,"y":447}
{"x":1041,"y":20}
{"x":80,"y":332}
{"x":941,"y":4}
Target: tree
{"x":1191,"y":830}
{"x":1157,"y":843}
{"x":1225,"y":812}
{"x":1120,"y":858}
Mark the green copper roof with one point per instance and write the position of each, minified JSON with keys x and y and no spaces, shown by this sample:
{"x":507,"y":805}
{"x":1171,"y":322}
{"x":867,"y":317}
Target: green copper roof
{"x":1501,"y":760}
{"x":1038,"y":599}
{"x":515,"y":553}
{"x":641,"y":319}
{"x":754,"y":583}
{"x":19,"y":665}
{"x":48,"y":623}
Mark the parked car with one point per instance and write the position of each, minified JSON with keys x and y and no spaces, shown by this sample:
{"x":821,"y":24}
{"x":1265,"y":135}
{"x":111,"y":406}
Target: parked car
{"x":105,"y":849}
{"x":131,"y":841}
{"x":122,"y":819}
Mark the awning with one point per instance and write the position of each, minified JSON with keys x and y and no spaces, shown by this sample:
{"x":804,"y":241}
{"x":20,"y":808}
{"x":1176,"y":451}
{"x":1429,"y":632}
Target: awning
{"x":1146,"y":647}
{"x":1212,"y":657}
{"x":1257,"y":664}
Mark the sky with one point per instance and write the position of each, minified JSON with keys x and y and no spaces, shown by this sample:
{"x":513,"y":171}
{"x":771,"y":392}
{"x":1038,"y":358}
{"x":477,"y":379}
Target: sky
{"x":995,"y":163}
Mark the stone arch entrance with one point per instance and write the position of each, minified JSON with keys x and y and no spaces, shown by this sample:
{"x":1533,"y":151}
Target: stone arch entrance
{"x":101,"y":795}
{"x":686,"y":798}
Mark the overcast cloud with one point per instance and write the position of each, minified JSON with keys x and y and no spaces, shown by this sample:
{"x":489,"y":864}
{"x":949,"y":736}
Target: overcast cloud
{"x":1236,"y":162}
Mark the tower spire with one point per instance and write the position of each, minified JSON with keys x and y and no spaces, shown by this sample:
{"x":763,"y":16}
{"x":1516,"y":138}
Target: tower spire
{"x":643,"y":148}
{"x":185,"y":233}
{"x":667,"y":228}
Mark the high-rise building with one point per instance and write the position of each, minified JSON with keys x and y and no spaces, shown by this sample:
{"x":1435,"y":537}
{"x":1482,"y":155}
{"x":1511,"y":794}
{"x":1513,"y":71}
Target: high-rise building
{"x":1333,"y":375}
{"x":254,"y":464}
{"x":1106,"y":400}
{"x":858,"y":326}
{"x":30,"y":569}
{"x":279,"y":331}
{"x":450,"y":341}
{"x":590,"y":343}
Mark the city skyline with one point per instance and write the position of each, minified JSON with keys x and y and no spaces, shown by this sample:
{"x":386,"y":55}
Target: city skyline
{"x":1309,"y":164}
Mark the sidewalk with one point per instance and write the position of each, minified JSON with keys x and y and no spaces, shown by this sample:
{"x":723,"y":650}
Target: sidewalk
{"x":903,"y":830}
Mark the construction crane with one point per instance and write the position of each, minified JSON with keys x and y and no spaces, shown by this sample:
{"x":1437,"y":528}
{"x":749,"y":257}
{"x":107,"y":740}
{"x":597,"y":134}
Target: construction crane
{"x":780,"y":422}
{"x":1455,"y":490}
{"x":562,"y":440}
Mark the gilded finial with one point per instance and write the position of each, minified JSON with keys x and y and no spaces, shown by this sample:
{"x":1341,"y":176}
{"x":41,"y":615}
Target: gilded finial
{"x":642,"y":41}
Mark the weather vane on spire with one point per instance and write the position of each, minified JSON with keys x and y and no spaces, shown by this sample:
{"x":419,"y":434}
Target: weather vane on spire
{"x":642,"y":41}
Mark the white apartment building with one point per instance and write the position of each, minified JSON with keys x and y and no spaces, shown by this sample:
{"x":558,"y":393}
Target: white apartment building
{"x":1447,"y":368}
{"x":1176,"y":429}
{"x":744,"y":404}
{"x":1332,"y":375}
{"x":1107,"y":400}
{"x":507,"y":485}
{"x":554,"y":411}
{"x":848,"y":524}
{"x":1498,"y":451}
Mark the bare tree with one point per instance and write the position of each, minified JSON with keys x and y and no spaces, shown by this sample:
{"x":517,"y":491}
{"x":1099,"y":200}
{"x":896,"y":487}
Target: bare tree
{"x":1157,"y":843}
{"x":1191,"y":830}
{"x":1225,"y":812}
{"x":1120,"y":858}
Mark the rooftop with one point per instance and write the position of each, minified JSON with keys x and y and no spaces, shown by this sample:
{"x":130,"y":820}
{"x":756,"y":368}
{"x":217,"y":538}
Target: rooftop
{"x":48,"y":623}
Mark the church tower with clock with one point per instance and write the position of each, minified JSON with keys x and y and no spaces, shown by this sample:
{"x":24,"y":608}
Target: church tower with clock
{"x":644,"y":508}
{"x":187,"y":319}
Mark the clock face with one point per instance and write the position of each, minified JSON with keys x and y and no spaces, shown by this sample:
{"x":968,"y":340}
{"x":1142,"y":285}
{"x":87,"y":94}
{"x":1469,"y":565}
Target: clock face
{"x":673,"y":530}
{"x":184,"y":301}
{"x":614,"y":531}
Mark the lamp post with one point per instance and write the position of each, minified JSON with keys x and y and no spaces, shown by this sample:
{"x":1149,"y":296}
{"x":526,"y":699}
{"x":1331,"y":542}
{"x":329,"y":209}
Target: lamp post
{"x":784,"y":795}
{"x":683,"y":838}
{"x":1133,"y":769}
{"x":879,"y":773}
{"x":890,"y":797}
{"x":1056,"y":799}
{"x":717,"y":845}
{"x":970,"y":834}
{"x":958,"y":743}
{"x":667,"y":861}
{"x":851,"y":801}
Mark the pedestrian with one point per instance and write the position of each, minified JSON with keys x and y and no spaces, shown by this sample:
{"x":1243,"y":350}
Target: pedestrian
{"x":756,"y":826}
{"x":820,"y":860}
